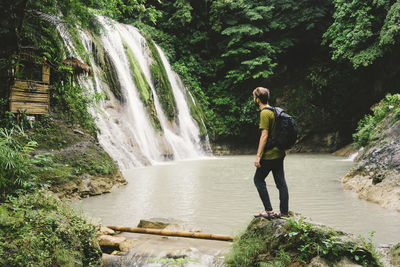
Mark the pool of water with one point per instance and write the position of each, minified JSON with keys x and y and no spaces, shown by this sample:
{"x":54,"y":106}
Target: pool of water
{"x":218,"y":196}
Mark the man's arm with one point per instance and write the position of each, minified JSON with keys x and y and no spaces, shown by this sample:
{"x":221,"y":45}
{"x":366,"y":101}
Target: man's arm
{"x":261,"y":145}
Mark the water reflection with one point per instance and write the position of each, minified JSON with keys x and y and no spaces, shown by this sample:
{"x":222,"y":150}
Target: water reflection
{"x":218,"y":196}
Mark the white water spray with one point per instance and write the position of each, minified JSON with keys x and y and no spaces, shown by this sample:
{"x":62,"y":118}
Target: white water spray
{"x":126,"y":131}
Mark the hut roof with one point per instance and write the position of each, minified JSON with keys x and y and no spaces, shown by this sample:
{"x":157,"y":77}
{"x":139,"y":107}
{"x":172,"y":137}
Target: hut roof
{"x":78,"y":66}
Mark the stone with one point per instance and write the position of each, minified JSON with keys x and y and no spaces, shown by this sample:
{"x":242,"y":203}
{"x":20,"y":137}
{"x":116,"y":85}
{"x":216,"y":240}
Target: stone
{"x":106,"y":231}
{"x":111,"y":241}
{"x":345,"y":262}
{"x":179,"y":253}
{"x":78,"y":132}
{"x":100,"y":185}
{"x":110,"y":260}
{"x":318,"y":262}
{"x":155,"y":223}
{"x":182,"y":227}
{"x":126,"y":245}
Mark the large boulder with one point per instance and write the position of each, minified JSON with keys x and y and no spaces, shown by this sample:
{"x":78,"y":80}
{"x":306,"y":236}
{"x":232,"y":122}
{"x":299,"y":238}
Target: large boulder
{"x":297,"y":242}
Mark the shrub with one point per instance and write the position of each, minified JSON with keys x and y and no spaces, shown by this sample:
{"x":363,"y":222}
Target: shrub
{"x":37,"y":229}
{"x":15,"y":161}
{"x":368,"y":129}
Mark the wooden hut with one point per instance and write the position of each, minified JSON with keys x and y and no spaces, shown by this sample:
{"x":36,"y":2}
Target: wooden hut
{"x":30,"y":92}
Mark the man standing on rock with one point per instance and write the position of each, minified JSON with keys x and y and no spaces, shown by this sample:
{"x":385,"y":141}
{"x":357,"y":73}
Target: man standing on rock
{"x":269,"y":159}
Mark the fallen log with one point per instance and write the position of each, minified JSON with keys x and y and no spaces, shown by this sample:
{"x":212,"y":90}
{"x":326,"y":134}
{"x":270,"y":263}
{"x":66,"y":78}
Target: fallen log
{"x":172,"y":233}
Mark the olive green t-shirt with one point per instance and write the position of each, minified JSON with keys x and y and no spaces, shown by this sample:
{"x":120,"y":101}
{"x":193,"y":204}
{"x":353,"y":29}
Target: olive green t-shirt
{"x":267,"y":121}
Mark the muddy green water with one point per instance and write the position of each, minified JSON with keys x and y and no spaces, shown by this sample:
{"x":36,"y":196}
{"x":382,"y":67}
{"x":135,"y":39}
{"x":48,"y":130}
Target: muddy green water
{"x":218,"y":196}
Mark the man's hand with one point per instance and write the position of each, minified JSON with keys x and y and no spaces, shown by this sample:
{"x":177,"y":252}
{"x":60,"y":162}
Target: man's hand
{"x":257,"y":162}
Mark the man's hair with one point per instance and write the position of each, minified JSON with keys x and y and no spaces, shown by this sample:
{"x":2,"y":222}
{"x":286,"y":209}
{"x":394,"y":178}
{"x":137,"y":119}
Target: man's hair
{"x":262,"y":93}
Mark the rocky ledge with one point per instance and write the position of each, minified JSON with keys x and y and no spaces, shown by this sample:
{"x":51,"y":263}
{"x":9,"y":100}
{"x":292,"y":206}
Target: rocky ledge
{"x":377,"y":175}
{"x":89,"y":186}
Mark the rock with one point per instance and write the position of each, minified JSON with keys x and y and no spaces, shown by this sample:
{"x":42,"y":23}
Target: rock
{"x":345,"y":262}
{"x":180,"y":253}
{"x":78,"y":132}
{"x":182,"y":227}
{"x":385,"y":193}
{"x":155,"y":223}
{"x":318,"y":142}
{"x":346,"y":151}
{"x":106,"y":231}
{"x":318,"y":262}
{"x":110,"y":260}
{"x":110,"y":241}
{"x":100,"y":185}
{"x":288,"y":236}
{"x":168,"y":224}
{"x":126,"y":245}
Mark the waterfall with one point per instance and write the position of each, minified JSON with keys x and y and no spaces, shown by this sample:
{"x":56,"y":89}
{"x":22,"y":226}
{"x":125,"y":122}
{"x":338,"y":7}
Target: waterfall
{"x":147,"y":117}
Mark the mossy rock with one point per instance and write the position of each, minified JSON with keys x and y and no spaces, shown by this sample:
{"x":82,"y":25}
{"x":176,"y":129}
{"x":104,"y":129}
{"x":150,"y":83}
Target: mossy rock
{"x":197,"y":113}
{"x":112,"y":78}
{"x":297,"y":241}
{"x":161,"y":82}
{"x":143,"y":86}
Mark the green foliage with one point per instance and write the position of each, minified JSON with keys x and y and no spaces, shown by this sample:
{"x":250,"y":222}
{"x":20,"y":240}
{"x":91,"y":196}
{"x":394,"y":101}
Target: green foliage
{"x":311,"y":242}
{"x":15,"y":161}
{"x":39,"y":230}
{"x":363,"y":31}
{"x":72,"y":103}
{"x":370,"y":128}
{"x":244,"y":251}
{"x":70,"y":153}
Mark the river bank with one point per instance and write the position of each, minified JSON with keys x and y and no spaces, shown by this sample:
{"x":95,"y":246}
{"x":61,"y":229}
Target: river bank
{"x":376,"y":177}
{"x":74,"y":164}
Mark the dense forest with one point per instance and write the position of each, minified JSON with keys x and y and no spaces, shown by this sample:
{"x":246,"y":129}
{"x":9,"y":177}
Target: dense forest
{"x":325,"y":61}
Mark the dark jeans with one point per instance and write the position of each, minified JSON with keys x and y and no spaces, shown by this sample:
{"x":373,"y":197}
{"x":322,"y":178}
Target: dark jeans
{"x":276,"y":166}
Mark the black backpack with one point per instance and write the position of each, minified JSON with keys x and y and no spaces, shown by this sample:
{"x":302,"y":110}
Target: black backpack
{"x":286,"y":133}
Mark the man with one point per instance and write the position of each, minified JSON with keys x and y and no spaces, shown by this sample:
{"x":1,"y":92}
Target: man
{"x":270,"y":159}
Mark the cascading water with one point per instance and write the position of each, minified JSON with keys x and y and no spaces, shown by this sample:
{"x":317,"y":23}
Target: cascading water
{"x":135,"y":127}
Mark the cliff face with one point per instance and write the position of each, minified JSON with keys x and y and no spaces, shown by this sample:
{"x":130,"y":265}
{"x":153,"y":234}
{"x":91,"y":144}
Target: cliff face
{"x":377,"y":175}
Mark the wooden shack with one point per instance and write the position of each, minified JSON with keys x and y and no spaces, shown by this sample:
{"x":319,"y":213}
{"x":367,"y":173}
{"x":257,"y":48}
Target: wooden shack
{"x":30,"y":92}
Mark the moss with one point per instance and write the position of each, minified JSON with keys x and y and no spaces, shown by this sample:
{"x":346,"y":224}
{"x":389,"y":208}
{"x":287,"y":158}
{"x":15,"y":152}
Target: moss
{"x":143,"y":87}
{"x":90,"y":159}
{"x":66,"y":152}
{"x":112,"y":78}
{"x":37,"y":229}
{"x":278,"y":241}
{"x":161,"y":82}
{"x":197,"y":113}
{"x":53,"y":134}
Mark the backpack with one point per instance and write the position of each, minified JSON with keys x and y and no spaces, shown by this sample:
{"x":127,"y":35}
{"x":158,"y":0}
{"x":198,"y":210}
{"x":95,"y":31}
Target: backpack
{"x":286,"y":133}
